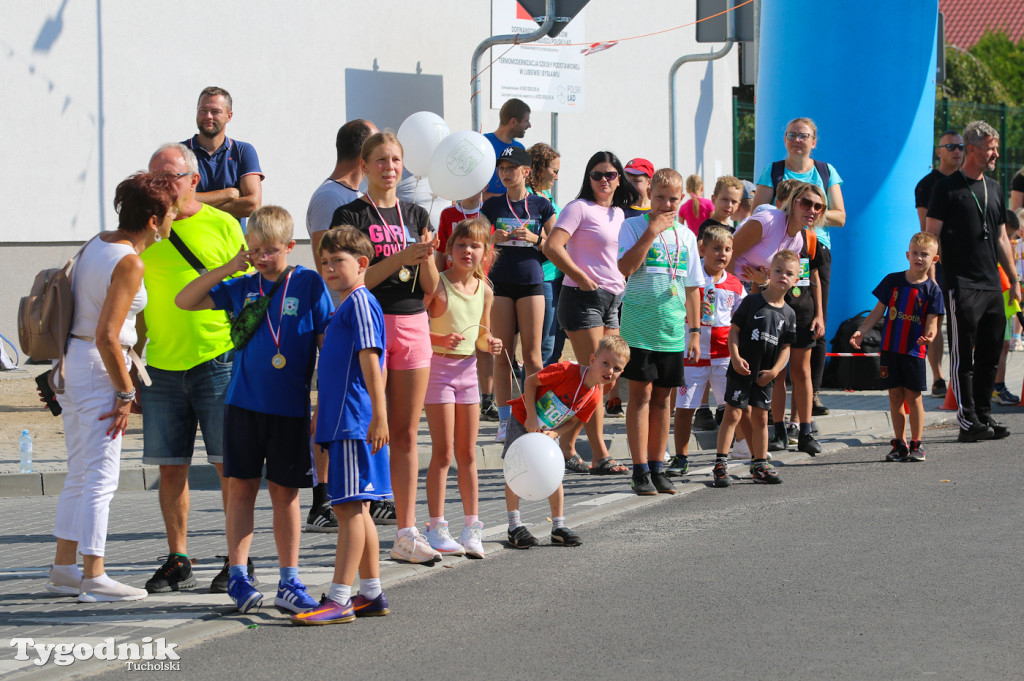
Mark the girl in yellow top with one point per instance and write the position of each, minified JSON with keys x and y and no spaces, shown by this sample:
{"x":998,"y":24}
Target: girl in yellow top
{"x":459,"y":310}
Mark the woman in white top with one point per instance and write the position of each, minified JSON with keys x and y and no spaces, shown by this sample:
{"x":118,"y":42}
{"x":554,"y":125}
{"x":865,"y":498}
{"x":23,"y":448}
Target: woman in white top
{"x":108,"y":292}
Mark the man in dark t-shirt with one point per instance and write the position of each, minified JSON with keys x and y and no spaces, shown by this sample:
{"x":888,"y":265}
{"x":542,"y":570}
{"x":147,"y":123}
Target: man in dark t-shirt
{"x":966,"y":212}
{"x":950,"y":151}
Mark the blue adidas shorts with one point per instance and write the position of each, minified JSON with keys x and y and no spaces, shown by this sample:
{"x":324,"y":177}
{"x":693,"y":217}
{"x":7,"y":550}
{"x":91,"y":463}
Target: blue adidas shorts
{"x":354,"y":474}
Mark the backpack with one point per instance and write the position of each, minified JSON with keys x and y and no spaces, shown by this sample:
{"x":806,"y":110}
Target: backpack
{"x":45,"y":314}
{"x":855,"y":373}
{"x":779,"y":169}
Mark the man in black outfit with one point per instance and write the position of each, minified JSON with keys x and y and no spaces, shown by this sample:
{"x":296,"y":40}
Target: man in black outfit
{"x":966,"y":211}
{"x":951,"y":154}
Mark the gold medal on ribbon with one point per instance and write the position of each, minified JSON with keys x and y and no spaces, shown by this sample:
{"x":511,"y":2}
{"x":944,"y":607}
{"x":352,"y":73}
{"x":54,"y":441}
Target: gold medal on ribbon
{"x":404,"y":274}
{"x":278,"y":361}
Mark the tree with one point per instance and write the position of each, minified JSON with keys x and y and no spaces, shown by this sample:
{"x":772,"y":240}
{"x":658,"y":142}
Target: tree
{"x":970,"y":80}
{"x":1003,"y":59}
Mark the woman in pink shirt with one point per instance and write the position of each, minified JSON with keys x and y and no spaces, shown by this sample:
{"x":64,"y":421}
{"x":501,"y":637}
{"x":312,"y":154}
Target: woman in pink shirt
{"x":584,"y":245}
{"x":775,"y":229}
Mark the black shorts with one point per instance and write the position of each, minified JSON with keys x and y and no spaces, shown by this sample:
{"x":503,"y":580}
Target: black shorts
{"x":579,"y":309}
{"x":662,"y":369}
{"x":252,"y":438}
{"x":903,"y":371}
{"x":517,"y":291}
{"x":804,"y":338}
{"x":743,"y":390}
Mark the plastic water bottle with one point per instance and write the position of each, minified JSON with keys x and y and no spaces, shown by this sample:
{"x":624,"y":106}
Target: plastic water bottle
{"x":25,"y":441}
{"x":708,"y":318}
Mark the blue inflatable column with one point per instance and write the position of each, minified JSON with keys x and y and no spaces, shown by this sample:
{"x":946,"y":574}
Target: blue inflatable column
{"x":866,"y":75}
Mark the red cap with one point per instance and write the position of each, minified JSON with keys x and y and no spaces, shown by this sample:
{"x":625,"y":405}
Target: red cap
{"x":640,"y":166}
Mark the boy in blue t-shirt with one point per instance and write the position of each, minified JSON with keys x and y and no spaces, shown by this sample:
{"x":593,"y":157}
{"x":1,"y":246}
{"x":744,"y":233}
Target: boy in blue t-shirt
{"x":352,"y":424}
{"x":911,"y":303}
{"x":266,"y":412}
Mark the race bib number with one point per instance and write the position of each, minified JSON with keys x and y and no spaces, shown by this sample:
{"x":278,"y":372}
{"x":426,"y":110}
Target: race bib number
{"x":509,"y":225}
{"x":552,"y":412}
{"x":658,"y":262}
{"x":805,"y":273}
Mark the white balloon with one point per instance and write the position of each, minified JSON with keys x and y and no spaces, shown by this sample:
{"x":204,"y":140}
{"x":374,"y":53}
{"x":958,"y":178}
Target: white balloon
{"x":420,"y":134}
{"x":462,"y":165}
{"x":534,"y":466}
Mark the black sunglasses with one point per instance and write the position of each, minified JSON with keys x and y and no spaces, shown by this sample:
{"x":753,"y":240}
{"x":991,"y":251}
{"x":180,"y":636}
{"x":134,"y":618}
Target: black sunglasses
{"x":597,"y":175}
{"x":951,"y":147}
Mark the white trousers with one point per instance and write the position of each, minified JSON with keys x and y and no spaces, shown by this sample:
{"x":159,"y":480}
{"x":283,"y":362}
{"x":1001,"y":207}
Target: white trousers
{"x":94,"y":458}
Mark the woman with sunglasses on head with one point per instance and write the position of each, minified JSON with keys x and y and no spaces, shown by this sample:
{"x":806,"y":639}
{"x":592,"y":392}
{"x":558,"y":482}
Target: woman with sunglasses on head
{"x":401,"y":272}
{"x":584,"y":245}
{"x":801,"y":137}
{"x":789,"y":228}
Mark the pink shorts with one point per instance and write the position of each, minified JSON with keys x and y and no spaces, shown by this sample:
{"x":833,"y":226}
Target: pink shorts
{"x":453,"y":381}
{"x":408,"y":341}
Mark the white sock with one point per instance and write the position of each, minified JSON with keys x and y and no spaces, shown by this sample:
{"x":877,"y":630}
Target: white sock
{"x":514,"y":520}
{"x":557,"y":521}
{"x":410,"y":532}
{"x":470,"y":519}
{"x":339,"y":593}
{"x":71,"y":572}
{"x":369,"y":588}
{"x":434,"y":522}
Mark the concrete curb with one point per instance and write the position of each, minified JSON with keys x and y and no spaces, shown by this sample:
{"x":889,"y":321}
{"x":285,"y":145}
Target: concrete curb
{"x":204,"y":476}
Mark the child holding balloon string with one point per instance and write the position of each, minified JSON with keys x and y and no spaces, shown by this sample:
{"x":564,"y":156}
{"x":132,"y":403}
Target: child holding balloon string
{"x":462,"y":302}
{"x":561,"y":395}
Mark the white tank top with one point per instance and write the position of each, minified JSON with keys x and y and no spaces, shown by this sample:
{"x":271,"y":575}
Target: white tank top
{"x":90,"y":281}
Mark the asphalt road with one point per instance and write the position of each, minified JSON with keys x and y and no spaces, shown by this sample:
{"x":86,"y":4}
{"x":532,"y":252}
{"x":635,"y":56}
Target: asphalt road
{"x":851,"y":569}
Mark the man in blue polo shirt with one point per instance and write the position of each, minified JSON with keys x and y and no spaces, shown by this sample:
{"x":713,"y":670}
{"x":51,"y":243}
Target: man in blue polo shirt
{"x":513,"y":122}
{"x":229,"y":170}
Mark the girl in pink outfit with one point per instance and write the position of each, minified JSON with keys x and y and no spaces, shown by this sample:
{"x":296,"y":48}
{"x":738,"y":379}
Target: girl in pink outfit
{"x":697,"y":209}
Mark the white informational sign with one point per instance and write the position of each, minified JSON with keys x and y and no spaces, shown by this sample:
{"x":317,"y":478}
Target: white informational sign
{"x":544,"y":74}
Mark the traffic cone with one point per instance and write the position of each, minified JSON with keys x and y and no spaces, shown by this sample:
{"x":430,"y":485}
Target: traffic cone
{"x":949,"y":404}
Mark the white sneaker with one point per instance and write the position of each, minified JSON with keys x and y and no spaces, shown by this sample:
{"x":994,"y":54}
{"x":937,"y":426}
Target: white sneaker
{"x":740,"y":450}
{"x":1017,"y":345}
{"x":502,"y":429}
{"x":413,"y":549}
{"x":106,"y":590}
{"x":441,"y":541}
{"x":472,"y":540}
{"x":60,"y":583}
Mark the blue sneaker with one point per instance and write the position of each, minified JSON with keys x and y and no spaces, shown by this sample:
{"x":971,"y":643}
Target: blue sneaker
{"x":326,"y":612}
{"x":244,"y":594}
{"x":293,"y":597}
{"x":365,"y":607}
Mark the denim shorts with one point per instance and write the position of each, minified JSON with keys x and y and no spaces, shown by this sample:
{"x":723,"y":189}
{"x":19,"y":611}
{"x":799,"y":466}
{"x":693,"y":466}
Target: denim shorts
{"x":579,"y":309}
{"x":176,"y":403}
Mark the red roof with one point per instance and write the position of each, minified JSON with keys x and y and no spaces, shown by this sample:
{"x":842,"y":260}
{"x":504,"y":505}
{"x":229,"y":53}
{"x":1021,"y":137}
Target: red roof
{"x":967,"y":20}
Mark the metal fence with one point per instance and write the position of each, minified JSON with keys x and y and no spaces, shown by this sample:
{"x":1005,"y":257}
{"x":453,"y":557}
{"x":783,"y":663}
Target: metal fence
{"x":949,"y":114}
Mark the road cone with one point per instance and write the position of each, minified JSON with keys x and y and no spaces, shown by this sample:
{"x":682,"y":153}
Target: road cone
{"x":950,"y":402}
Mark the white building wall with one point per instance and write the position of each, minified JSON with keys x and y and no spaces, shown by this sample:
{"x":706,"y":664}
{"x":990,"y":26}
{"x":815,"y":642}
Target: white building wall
{"x":138,"y":67}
